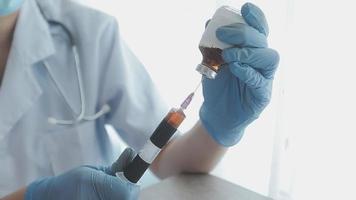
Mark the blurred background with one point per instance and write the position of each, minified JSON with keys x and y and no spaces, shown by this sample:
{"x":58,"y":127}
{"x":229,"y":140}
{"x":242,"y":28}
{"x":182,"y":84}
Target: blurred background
{"x":301,"y":146}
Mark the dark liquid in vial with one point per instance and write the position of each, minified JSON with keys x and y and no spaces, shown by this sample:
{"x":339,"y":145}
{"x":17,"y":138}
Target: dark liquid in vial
{"x":212,"y":57}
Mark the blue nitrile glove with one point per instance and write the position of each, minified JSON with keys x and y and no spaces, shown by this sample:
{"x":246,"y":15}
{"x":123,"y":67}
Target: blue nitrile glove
{"x":87,"y":183}
{"x":243,"y":86}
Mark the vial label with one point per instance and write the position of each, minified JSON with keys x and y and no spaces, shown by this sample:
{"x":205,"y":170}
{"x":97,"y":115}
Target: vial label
{"x":210,"y":46}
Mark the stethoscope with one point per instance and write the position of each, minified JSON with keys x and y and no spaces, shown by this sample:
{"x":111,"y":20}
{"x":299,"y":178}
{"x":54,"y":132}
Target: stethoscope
{"x":82,"y":115}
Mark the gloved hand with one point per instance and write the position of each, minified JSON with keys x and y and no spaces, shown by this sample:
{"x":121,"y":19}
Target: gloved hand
{"x":87,"y":182}
{"x":243,"y":86}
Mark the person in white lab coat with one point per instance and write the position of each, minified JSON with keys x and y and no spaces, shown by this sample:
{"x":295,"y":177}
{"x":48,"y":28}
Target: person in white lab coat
{"x":65,"y":73}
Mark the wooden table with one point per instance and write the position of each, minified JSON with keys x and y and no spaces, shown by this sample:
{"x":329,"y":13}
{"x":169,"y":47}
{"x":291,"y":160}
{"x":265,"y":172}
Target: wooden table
{"x":198,"y":186}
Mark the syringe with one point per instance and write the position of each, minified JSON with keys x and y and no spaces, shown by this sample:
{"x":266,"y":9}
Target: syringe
{"x":160,"y":137}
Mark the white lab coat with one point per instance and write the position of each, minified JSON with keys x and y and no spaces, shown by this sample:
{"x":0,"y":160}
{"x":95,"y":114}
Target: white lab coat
{"x":30,"y":92}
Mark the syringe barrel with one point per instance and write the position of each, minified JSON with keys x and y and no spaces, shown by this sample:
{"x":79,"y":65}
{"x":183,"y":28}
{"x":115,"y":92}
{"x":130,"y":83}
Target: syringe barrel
{"x":159,"y":138}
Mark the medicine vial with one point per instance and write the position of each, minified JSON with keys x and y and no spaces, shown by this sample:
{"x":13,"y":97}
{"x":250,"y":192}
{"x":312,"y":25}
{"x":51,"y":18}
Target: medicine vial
{"x":210,"y":46}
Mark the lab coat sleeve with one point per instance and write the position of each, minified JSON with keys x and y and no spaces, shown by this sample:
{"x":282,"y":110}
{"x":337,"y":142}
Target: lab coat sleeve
{"x":136,"y":106}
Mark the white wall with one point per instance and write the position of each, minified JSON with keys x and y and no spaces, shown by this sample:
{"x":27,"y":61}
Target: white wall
{"x":320,"y":100}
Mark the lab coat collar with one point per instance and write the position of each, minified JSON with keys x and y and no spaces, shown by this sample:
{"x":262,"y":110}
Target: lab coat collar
{"x":32,"y":39}
{"x":32,"y":42}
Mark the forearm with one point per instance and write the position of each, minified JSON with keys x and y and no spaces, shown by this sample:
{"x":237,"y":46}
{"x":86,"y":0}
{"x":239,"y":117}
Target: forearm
{"x":195,"y":152}
{"x":18,"y":195}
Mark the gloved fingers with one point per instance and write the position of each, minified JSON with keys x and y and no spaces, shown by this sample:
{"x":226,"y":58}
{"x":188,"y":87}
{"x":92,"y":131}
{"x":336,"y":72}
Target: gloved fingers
{"x":125,"y":158}
{"x":242,"y":35}
{"x":128,"y":191}
{"x":264,"y":60}
{"x":112,"y":187}
{"x":252,"y":78}
{"x":105,"y":169}
{"x":254,"y":17}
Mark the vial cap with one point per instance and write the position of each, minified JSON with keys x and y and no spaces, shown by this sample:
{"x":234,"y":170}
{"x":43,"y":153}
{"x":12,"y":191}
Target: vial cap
{"x":206,"y":71}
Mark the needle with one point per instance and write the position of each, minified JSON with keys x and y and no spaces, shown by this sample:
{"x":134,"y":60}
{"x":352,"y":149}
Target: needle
{"x":198,"y":86}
